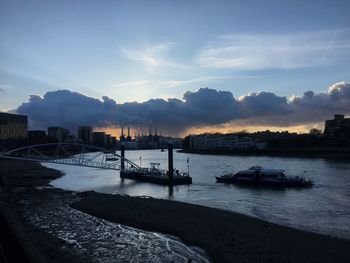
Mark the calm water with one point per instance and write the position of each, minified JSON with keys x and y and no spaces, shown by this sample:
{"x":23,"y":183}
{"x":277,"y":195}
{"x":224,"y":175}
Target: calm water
{"x":325,"y":208}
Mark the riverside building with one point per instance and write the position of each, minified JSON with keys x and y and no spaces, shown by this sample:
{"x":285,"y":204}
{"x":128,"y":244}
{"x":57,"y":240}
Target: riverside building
{"x":222,"y":142}
{"x":13,"y":129}
{"x":99,"y":139}
{"x":339,"y":127}
{"x":85,"y":134}
{"x":59,"y":133}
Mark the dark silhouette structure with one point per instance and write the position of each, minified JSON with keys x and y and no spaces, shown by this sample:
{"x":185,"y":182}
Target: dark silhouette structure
{"x":13,"y":129}
{"x":339,"y":127}
{"x":85,"y":134}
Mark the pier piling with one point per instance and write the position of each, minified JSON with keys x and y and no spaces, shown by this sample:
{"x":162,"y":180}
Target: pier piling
{"x":122,"y":153}
{"x":170,"y":163}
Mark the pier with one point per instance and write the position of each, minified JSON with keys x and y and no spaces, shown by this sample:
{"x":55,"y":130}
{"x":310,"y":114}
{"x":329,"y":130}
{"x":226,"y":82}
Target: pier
{"x":96,"y":157}
{"x":156,"y":175}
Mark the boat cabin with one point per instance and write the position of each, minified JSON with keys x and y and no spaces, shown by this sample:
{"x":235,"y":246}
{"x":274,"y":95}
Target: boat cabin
{"x":257,"y":172}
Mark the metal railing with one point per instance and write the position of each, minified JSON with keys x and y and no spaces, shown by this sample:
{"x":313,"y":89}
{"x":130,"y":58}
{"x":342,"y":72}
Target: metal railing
{"x":70,"y":154}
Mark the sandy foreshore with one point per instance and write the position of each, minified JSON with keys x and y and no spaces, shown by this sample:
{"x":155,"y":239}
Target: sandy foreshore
{"x":225,"y":236}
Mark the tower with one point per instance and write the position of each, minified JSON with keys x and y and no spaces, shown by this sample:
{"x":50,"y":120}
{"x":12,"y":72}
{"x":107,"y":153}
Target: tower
{"x":128,"y":138}
{"x":122,"y":137}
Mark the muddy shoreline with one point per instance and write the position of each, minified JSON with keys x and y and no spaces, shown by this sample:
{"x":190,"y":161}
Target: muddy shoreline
{"x":225,"y":236}
{"x":47,"y":226}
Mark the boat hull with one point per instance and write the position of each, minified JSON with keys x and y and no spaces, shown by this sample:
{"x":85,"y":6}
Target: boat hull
{"x":287,"y":183}
{"x":156,"y":179}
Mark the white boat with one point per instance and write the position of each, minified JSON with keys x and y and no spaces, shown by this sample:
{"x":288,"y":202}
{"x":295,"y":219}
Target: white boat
{"x":256,"y":175}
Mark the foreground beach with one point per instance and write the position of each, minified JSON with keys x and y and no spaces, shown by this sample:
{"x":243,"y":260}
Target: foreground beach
{"x":225,"y":236}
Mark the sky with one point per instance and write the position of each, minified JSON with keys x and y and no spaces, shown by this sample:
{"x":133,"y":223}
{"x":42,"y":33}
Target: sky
{"x":128,"y":58}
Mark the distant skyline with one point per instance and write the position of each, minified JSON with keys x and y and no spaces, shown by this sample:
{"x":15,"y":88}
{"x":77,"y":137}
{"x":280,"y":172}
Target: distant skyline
{"x":141,"y":50}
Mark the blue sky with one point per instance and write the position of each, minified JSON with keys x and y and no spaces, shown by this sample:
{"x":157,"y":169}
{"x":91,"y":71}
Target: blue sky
{"x":138,"y":50}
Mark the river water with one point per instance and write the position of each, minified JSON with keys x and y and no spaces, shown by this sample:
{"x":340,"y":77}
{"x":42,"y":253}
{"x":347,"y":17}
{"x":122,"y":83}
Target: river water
{"x":324,"y":208}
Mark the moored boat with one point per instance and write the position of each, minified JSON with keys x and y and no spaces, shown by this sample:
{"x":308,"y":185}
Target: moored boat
{"x":155,"y":175}
{"x":111,"y":157}
{"x":257,"y":175}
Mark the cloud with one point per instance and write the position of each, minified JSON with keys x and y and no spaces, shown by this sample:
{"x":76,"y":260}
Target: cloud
{"x":263,"y":104}
{"x":209,"y":106}
{"x":316,"y":106}
{"x":177,"y":83}
{"x":311,"y":107}
{"x":202,"y":108}
{"x":152,"y":57}
{"x":71,"y":109}
{"x":268,"y":51}
{"x":3,"y":87}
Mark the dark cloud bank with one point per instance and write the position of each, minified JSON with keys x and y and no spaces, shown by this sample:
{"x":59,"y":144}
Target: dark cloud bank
{"x":204,"y":107}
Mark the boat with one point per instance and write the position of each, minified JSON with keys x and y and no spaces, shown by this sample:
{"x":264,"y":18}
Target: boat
{"x":111,"y":157}
{"x":155,"y":175}
{"x":256,"y":175}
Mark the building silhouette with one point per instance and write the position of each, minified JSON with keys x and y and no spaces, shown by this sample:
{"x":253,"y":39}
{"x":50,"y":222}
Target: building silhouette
{"x":103,"y":140}
{"x":85,"y":134}
{"x":222,"y":142}
{"x":59,"y":133}
{"x":39,"y":137}
{"x":13,"y":129}
{"x":338,"y":128}
{"x":99,"y":139}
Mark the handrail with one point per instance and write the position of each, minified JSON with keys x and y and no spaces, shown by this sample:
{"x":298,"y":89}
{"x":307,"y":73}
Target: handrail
{"x":77,"y":159}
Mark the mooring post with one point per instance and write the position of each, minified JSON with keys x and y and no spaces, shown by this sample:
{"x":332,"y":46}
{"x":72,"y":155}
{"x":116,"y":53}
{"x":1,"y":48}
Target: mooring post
{"x":170,"y":163}
{"x":122,"y":153}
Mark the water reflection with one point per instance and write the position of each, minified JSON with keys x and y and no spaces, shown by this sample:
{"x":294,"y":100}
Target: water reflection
{"x":171,"y":191}
{"x":261,"y":189}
